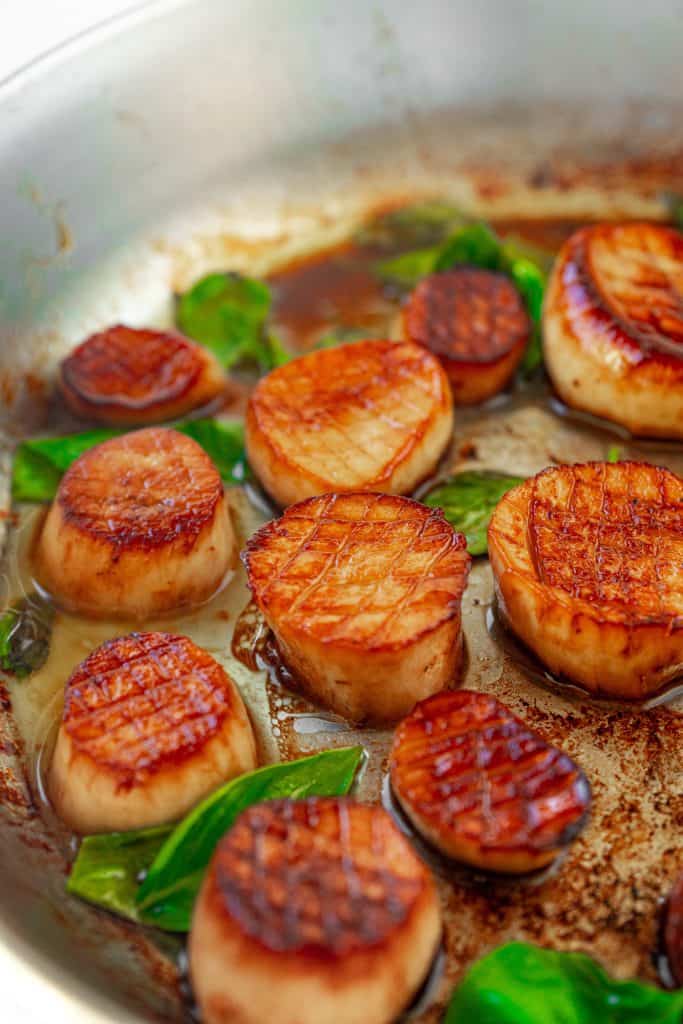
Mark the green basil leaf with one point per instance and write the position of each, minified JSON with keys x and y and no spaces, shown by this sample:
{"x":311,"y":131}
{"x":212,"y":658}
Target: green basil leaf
{"x":25,"y":631}
{"x":40,"y":463}
{"x":167,"y":895}
{"x":524,"y":984}
{"x":614,"y":453}
{"x":227,"y":313}
{"x":107,"y":870}
{"x":476,"y":245}
{"x":468,"y":500}
{"x":223,"y":442}
{"x":342,"y":336}
{"x":425,"y":223}
{"x":406,"y":270}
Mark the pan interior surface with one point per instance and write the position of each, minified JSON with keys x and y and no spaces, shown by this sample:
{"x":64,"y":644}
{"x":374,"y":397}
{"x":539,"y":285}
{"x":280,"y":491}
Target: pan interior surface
{"x":198,"y":136}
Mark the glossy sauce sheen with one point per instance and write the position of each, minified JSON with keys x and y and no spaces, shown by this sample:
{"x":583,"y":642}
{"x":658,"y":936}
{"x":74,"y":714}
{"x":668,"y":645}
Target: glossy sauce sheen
{"x":145,"y":701}
{"x":467,"y":766}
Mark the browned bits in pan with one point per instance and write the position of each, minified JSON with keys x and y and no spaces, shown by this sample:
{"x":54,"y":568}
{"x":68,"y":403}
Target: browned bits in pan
{"x":475,"y":322}
{"x":363,"y":594}
{"x":588,"y":565}
{"x":131,"y":376}
{"x":151,"y":724}
{"x":312,"y":910}
{"x":483,"y":787}
{"x":613,"y":325}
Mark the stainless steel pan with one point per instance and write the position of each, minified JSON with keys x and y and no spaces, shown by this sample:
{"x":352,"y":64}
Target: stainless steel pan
{"x":207,"y":133}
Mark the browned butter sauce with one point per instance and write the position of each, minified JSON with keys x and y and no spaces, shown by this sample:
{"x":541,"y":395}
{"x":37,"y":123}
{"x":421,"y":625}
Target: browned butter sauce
{"x":603,"y":896}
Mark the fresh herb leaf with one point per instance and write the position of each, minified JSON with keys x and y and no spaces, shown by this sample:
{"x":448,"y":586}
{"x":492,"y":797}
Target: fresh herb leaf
{"x":223,"y":441}
{"x":25,"y":631}
{"x":342,"y":336}
{"x":475,"y":245}
{"x":468,"y":500}
{"x":405,"y":271}
{"x":167,"y":895}
{"x":524,"y":984}
{"x":39,"y":464}
{"x":614,"y":453}
{"x":228,"y":313}
{"x":425,"y":223}
{"x":107,"y":869}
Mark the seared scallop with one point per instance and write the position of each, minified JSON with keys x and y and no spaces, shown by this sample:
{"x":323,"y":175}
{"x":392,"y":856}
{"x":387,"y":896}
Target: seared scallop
{"x":314,"y":911}
{"x":151,"y":724}
{"x":368,"y":416}
{"x":613,"y":326}
{"x":483,"y":788}
{"x":363,"y":592}
{"x":588,"y":569}
{"x":139,"y":526}
{"x":130,"y":377}
{"x":476,"y":323}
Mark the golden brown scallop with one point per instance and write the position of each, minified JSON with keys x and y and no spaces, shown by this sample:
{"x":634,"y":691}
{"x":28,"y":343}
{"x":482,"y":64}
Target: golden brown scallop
{"x":129,"y":377}
{"x":312,"y":911}
{"x":363,"y":592}
{"x":139,"y":526}
{"x":367,"y":416}
{"x":613,"y":326}
{"x":483,"y":788}
{"x":151,"y":725}
{"x":673,"y":931}
{"x":588,"y":569}
{"x":476,"y":323}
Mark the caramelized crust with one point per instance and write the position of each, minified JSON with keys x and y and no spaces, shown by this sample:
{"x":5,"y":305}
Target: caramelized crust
{"x":317,"y":877}
{"x":475,"y":322}
{"x":131,"y":376}
{"x":370,"y":570}
{"x":363,"y":593}
{"x":613,"y":325}
{"x":139,"y":525}
{"x":588,"y":563}
{"x":373,"y":415}
{"x":482,"y":786}
{"x":312,"y":910}
{"x":151,"y":724}
{"x":673,"y":931}
{"x":143,"y":489}
{"x":144,"y":701}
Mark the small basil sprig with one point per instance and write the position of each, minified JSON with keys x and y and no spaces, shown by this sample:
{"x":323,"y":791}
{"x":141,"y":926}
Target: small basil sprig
{"x":108,"y":868}
{"x":228,"y":314}
{"x":25,"y":631}
{"x":39,"y":464}
{"x":478,"y":245}
{"x":523,"y":984}
{"x":424,"y":223}
{"x":468,"y":500}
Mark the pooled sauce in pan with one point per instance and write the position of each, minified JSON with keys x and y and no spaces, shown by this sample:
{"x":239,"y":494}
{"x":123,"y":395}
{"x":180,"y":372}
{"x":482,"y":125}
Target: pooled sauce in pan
{"x":602,"y":894}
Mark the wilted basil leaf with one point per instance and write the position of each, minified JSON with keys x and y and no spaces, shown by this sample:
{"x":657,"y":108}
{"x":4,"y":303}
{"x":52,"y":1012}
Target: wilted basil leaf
{"x":167,"y":895}
{"x":468,"y":500}
{"x":424,"y":223}
{"x":108,"y":867}
{"x":25,"y":631}
{"x":523,"y":984}
{"x":39,"y":464}
{"x":227,"y":313}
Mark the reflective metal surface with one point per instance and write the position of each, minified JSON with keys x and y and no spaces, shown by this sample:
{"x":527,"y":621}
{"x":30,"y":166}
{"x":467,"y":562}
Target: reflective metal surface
{"x":142,"y":153}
